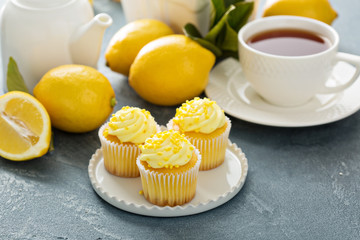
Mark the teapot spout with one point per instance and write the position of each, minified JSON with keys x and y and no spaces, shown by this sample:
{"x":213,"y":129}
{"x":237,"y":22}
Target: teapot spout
{"x":85,"y":43}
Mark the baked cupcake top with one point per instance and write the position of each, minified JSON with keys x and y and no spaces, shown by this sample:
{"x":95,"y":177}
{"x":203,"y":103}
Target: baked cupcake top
{"x":166,"y":149}
{"x":131,"y":124}
{"x":199,"y":115}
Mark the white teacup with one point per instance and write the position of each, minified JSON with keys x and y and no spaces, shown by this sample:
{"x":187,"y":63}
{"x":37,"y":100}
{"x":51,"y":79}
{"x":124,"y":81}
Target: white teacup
{"x":292,"y":80}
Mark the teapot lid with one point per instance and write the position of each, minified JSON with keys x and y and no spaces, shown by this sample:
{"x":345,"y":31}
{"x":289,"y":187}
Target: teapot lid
{"x":41,"y":4}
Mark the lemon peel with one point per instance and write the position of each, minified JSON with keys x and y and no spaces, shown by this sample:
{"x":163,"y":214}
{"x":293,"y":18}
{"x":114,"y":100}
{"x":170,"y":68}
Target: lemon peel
{"x":128,"y":41}
{"x":317,"y":9}
{"x":78,"y":98}
{"x":170,"y":70}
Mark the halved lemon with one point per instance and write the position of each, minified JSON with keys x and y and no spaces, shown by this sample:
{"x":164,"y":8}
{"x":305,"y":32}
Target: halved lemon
{"x":25,"y":128}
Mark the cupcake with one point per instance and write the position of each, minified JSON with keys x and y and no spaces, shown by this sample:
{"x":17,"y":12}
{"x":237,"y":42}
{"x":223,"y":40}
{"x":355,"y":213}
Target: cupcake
{"x":169,"y":166}
{"x":205,"y":125}
{"x":120,"y":138}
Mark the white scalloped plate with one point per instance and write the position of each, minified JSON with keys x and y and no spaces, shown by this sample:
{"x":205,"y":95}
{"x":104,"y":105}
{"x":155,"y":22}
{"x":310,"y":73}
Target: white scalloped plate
{"x":215,"y":187}
{"x":229,"y":88}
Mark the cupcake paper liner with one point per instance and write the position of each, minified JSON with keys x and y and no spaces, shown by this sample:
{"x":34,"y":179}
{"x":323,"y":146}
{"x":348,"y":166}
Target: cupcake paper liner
{"x":212,"y":149}
{"x":119,"y":159}
{"x":169,"y":189}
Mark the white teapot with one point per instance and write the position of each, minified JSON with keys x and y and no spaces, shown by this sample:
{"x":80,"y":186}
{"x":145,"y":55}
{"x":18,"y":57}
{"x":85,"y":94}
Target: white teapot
{"x":176,"y":13}
{"x":43,"y":34}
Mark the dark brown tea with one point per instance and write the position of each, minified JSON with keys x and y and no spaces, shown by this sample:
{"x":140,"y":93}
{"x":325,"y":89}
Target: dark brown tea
{"x":289,"y":42}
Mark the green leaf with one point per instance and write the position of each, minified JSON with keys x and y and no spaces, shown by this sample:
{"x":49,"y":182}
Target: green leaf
{"x":236,"y":19}
{"x":228,"y":17}
{"x":214,"y":32}
{"x":208,"y":45}
{"x":14,"y":80}
{"x":191,"y":31}
{"x":232,"y":54}
{"x":231,"y":2}
{"x":240,"y":14}
{"x":230,"y":41}
{"x":219,"y":9}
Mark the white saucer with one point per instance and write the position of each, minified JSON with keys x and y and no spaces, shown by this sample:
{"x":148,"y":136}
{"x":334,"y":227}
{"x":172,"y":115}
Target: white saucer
{"x":215,"y":187}
{"x":229,"y":88}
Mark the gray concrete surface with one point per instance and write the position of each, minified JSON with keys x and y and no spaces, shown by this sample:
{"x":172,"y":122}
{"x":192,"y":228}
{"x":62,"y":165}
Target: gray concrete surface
{"x":303,"y":183}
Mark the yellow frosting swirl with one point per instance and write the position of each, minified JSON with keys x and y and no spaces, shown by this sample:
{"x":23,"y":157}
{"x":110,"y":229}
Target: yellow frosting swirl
{"x":166,"y":149}
{"x":131,"y":124}
{"x":199,"y":115}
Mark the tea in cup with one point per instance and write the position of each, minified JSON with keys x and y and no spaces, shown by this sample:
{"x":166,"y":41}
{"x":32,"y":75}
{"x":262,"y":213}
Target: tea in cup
{"x":288,"y":60}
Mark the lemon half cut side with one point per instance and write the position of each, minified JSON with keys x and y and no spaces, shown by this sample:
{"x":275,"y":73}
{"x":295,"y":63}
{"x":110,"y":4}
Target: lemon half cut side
{"x":25,"y":128}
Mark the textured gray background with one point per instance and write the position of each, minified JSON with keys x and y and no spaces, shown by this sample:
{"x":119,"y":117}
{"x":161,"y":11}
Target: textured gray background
{"x":303,"y":183}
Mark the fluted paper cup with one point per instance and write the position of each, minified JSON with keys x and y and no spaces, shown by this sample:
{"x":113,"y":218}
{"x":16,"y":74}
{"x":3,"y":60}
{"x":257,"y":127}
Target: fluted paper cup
{"x":119,"y":158}
{"x":169,"y":189}
{"x":212,"y":149}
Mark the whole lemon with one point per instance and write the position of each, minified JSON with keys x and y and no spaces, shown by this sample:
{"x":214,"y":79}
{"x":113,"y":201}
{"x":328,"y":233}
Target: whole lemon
{"x":317,"y":9}
{"x":78,"y":98}
{"x":127,"y":42}
{"x":170,"y":70}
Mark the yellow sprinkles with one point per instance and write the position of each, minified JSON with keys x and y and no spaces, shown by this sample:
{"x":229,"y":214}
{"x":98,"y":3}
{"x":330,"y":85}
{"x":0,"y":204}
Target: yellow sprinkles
{"x":156,"y":140}
{"x":132,"y":124}
{"x":199,"y":115}
{"x":158,"y":154}
{"x":191,"y":108}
